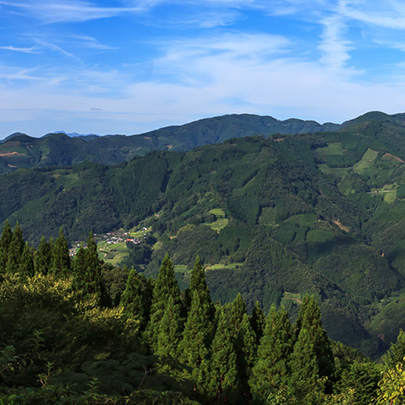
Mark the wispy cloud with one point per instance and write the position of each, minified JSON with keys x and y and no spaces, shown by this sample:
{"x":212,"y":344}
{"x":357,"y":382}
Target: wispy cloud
{"x":334,"y":47}
{"x":387,"y":14}
{"x":55,"y":48}
{"x":53,"y":11}
{"x":90,"y":42}
{"x":31,"y":49}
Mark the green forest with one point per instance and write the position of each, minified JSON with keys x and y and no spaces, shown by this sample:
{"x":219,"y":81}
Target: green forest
{"x":282,"y":215}
{"x":75,"y":331}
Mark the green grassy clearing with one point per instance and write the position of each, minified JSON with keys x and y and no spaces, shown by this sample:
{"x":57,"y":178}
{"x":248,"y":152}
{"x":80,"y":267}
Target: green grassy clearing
{"x":333,"y":148}
{"x":218,"y":212}
{"x":389,"y":191}
{"x":390,"y":196}
{"x":220,"y":266}
{"x":366,"y":161}
{"x":221,"y":221}
{"x":181,"y":268}
{"x":112,"y":253}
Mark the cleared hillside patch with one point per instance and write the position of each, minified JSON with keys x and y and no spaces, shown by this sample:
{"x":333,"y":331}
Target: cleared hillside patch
{"x":366,"y":161}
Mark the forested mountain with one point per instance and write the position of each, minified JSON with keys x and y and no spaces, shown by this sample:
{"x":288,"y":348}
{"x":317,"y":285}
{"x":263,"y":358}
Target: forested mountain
{"x":271,"y":217}
{"x":58,"y":149}
{"x":288,"y":227}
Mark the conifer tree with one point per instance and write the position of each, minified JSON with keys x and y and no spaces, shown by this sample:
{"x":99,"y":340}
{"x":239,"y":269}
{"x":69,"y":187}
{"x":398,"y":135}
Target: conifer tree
{"x":305,"y":382}
{"x":87,"y":278}
{"x":270,"y":373}
{"x":245,"y":341}
{"x":396,"y":352}
{"x":26,"y":266}
{"x":195,"y":345}
{"x":15,"y":250}
{"x":223,"y":382}
{"x":198,"y":284}
{"x":43,"y":257}
{"x":170,"y":330}
{"x":165,"y":287}
{"x":60,"y":256}
{"x":134,"y":299}
{"x":5,"y":241}
{"x":258,"y":321}
{"x":310,"y":319}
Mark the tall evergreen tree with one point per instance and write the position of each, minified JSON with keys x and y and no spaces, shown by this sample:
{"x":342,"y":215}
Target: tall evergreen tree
{"x":136,"y":299}
{"x":26,"y":266}
{"x":170,"y":330}
{"x":43,"y":257}
{"x":269,"y":378}
{"x":165,"y":287}
{"x":15,"y":250}
{"x":87,"y":278}
{"x":61,"y":265}
{"x":223,"y":382}
{"x":310,"y":319}
{"x":245,"y":341}
{"x":258,"y":321}
{"x":305,"y":382}
{"x":198,"y":284}
{"x":195,"y":345}
{"x":5,"y":241}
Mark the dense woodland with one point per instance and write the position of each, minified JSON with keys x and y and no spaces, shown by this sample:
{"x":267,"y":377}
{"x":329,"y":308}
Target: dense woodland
{"x":280,"y":219}
{"x":76,"y":331}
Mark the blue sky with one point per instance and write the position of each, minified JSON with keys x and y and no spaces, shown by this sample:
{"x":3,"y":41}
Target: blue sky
{"x":129,"y":66}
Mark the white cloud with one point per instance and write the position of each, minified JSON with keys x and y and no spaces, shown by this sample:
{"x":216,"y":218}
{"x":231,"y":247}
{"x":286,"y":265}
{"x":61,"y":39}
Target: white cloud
{"x":31,"y":49}
{"x":90,"y":42}
{"x":387,"y":14}
{"x":54,"y":11}
{"x":334,"y":47}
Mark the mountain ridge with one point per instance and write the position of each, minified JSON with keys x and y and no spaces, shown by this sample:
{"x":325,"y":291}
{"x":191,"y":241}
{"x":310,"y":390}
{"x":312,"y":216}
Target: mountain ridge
{"x":22,"y":151}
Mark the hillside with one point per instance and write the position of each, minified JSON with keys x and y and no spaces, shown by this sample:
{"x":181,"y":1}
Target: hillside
{"x":273,"y":218}
{"x":22,"y":151}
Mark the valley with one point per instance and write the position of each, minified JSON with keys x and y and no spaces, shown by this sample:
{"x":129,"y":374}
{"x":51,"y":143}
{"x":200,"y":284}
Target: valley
{"x":319,"y":213}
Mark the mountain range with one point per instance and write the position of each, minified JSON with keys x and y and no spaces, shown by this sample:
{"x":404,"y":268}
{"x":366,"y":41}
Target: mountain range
{"x":60,"y":149}
{"x":274,"y":209}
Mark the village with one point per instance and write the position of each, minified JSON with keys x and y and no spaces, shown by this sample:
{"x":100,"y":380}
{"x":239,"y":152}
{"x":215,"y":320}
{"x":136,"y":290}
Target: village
{"x":112,"y":242}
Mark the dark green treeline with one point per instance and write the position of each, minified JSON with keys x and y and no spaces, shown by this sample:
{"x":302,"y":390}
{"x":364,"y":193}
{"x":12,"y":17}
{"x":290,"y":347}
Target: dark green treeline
{"x":76,"y":331}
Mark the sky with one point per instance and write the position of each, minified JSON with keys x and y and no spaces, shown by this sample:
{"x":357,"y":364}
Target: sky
{"x":130,"y":66}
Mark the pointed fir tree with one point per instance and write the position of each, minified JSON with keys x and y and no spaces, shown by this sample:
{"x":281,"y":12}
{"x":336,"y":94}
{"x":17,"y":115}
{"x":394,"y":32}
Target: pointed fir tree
{"x":258,"y":321}
{"x":170,"y":330}
{"x":87,"y":280}
{"x":247,"y":353}
{"x":198,"y":284}
{"x":134,"y":299}
{"x":245,"y":340}
{"x":15,"y":250}
{"x":165,"y":286}
{"x":269,"y":378}
{"x":304,"y":380}
{"x":223,"y":381}
{"x":195,"y":345}
{"x":26,"y":266}
{"x":43,"y":257}
{"x":61,"y":266}
{"x":309,"y":318}
{"x":5,"y":241}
